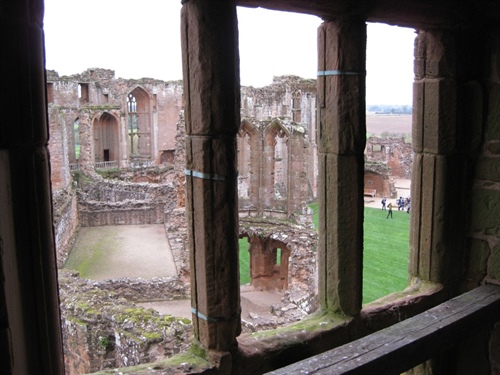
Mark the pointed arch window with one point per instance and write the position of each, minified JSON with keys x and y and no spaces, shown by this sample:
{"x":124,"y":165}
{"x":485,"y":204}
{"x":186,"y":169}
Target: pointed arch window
{"x":132,"y":127}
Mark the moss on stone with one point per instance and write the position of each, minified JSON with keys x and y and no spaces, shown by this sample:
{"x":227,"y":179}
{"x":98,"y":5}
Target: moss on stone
{"x":197,"y":350}
{"x":185,"y":360}
{"x":320,"y":321}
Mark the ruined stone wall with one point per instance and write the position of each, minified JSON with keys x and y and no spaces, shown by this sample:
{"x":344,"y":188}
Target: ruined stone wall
{"x":62,"y":112}
{"x":65,"y":222}
{"x":379,"y":177}
{"x":98,"y":100}
{"x":176,"y":227}
{"x":141,"y":290}
{"x":395,"y":153}
{"x":111,"y":202}
{"x":273,"y":179}
{"x":286,"y":96}
{"x":96,"y":92}
{"x":300,"y":240}
{"x":102,"y":330}
{"x":58,"y":143}
{"x":291,"y":100}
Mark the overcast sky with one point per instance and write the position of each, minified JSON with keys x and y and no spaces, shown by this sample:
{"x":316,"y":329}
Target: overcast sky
{"x":141,"y":38}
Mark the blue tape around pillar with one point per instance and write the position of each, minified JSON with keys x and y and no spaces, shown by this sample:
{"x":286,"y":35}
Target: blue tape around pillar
{"x":337,"y":73}
{"x":206,"y":176}
{"x":208,"y":319}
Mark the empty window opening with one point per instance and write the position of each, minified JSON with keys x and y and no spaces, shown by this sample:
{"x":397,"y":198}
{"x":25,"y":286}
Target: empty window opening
{"x":139,"y":124}
{"x":83,"y":92}
{"x":105,"y":138}
{"x":167,"y":157}
{"x":133,"y":131}
{"x":50,"y":92}
{"x":387,"y":175}
{"x":268,"y":263}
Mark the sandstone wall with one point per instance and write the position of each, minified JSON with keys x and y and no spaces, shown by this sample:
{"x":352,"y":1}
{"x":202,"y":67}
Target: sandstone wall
{"x":96,"y":92}
{"x":112,"y":202}
{"x":65,"y":222}
{"x":395,"y":153}
{"x":299,"y":240}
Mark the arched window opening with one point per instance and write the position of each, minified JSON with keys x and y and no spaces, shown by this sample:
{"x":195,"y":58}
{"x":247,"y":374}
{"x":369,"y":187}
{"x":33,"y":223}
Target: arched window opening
{"x":132,"y":128}
{"x":280,"y":167}
{"x":248,"y":169}
{"x":106,"y":147}
{"x":269,"y":261}
{"x":244,"y":167}
{"x":139,"y":124}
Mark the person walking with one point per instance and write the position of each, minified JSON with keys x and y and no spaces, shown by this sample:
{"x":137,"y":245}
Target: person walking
{"x":383,"y":204}
{"x":389,"y":213}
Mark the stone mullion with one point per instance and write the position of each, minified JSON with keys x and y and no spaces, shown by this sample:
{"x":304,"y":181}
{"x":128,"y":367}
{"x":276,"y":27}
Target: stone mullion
{"x":211,"y":90}
{"x":267,"y":188}
{"x":434,"y":172}
{"x":256,"y":173}
{"x":341,"y":143}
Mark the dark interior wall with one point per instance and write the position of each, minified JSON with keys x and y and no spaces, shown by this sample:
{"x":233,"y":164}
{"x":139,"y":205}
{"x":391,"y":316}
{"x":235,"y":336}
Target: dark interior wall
{"x":30,"y":335}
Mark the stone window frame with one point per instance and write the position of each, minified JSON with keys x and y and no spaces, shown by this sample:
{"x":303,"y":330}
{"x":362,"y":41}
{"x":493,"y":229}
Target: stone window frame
{"x":341,"y":96}
{"x":142,"y":111}
{"x":35,"y":329}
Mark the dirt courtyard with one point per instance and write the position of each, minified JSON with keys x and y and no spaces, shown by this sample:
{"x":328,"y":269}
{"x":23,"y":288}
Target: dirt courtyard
{"x":116,"y":251}
{"x":111,"y":252}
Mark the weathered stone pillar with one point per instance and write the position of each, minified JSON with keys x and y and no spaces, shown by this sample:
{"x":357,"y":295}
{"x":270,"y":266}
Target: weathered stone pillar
{"x":437,"y":168}
{"x":297,"y":185}
{"x":212,"y":93}
{"x":342,"y":137}
{"x":86,"y":129}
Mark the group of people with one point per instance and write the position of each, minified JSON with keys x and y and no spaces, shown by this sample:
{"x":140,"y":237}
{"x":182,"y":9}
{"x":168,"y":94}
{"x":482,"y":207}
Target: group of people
{"x":402,"y":203}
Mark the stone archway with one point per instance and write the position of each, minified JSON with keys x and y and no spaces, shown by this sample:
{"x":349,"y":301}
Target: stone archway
{"x":106,"y":140}
{"x":269,"y":260}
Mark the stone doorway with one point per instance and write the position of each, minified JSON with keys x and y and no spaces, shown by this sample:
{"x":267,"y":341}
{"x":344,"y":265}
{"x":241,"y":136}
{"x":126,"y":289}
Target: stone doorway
{"x":269,"y":261}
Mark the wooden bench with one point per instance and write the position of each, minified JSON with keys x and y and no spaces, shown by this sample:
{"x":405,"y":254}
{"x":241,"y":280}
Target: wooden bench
{"x":370,"y":192}
{"x":405,"y":345}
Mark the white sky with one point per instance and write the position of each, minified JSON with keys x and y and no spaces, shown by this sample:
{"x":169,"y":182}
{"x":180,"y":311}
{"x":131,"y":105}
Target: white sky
{"x":141,"y":38}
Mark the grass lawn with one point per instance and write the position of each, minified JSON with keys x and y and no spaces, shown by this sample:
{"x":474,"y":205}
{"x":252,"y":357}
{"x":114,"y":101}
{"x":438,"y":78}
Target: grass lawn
{"x":244,"y":262}
{"x":386,"y":252}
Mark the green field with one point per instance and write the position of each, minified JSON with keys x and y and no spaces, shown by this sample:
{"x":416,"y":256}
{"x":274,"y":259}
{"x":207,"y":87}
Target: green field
{"x":244,"y":262}
{"x":385,"y":251}
{"x":385,"y":256}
